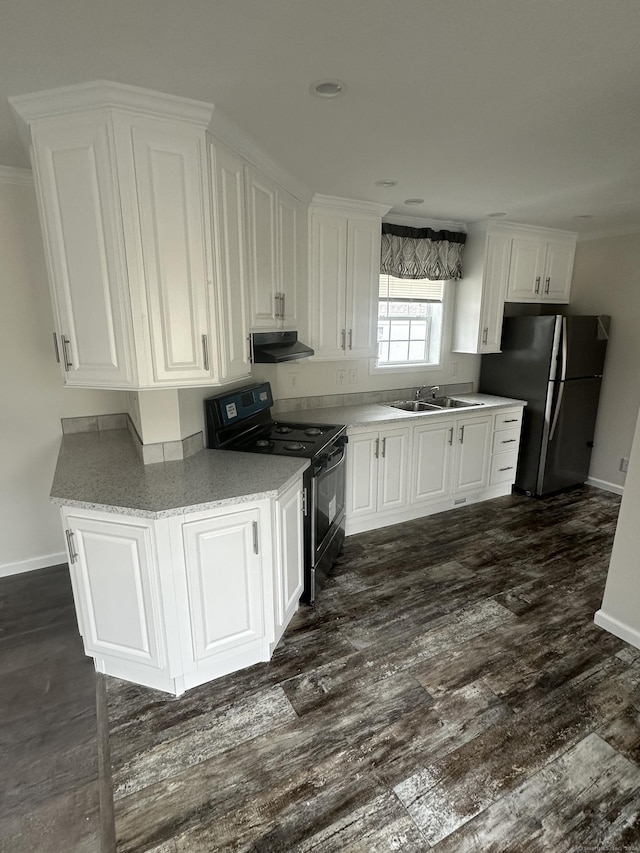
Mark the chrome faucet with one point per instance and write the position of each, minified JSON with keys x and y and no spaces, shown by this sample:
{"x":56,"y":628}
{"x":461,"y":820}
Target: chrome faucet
{"x":418,"y":390}
{"x":434,"y":388}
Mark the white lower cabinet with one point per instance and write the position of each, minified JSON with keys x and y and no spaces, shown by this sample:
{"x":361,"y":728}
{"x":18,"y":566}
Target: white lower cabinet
{"x":377,"y":464}
{"x":174,"y":602}
{"x":451,"y":462}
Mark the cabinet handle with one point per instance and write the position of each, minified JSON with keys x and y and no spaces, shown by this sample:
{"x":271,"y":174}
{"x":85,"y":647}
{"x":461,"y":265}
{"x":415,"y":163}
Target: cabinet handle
{"x":255,"y":537}
{"x":73,"y":554}
{"x":462,"y":434}
{"x":65,"y":352}
{"x":55,"y":346}
{"x":376,"y":452}
{"x":384,"y":447}
{"x":276,"y":305}
{"x":344,"y":337}
{"x":508,"y":468}
{"x":451,"y":435}
{"x":304,"y":503}
{"x":508,"y":441}
{"x":485,"y":334}
{"x":205,"y":351}
{"x":282,"y":304}
{"x":547,"y":285}
{"x":350,"y":338}
{"x":511,"y":420}
{"x":537,"y":284}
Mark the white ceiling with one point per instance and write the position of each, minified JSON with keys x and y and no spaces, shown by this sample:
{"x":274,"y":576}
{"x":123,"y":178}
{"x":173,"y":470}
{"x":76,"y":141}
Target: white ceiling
{"x":529,"y":107}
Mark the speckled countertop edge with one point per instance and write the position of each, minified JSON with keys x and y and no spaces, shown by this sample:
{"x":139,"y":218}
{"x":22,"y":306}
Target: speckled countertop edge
{"x":371,"y":414}
{"x":101,"y":471}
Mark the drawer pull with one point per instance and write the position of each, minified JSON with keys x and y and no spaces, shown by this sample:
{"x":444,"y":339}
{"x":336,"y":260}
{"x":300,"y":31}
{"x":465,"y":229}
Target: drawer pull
{"x":511,"y":420}
{"x":508,"y":468}
{"x":508,"y":441}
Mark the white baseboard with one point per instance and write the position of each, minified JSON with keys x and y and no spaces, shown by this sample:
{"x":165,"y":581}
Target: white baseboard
{"x":603,"y":484}
{"x":42,"y":562}
{"x":617,"y":628}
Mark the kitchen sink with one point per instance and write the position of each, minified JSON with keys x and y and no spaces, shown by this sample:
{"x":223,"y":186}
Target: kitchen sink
{"x":432,"y":405}
{"x":414,"y":406}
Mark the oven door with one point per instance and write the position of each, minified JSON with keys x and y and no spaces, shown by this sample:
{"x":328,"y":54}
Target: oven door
{"x":328,"y":501}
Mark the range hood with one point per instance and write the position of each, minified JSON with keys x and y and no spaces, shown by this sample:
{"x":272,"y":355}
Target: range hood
{"x":273,"y":347}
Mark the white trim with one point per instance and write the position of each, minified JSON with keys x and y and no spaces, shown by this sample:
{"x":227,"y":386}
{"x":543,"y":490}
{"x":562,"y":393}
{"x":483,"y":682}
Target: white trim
{"x":32,"y":564}
{"x":14,"y":175}
{"x":417,"y":222}
{"x":617,"y":628}
{"x":104,"y":93}
{"x":622,"y":231}
{"x":349,"y":205}
{"x":605,"y":486}
{"x":513,"y":228}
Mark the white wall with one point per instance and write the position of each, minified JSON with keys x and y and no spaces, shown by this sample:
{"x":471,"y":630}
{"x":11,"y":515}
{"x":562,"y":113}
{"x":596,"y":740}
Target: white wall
{"x":606,"y":280}
{"x":620,"y":612}
{"x":32,"y":398}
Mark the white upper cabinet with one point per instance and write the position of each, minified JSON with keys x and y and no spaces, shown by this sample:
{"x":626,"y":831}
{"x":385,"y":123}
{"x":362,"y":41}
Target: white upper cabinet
{"x":74,"y":165}
{"x":125,"y":200}
{"x":276,"y":234}
{"x":507,"y":263}
{"x":481,"y":294}
{"x":541,"y":269}
{"x":230,"y":259}
{"x":345,"y":270}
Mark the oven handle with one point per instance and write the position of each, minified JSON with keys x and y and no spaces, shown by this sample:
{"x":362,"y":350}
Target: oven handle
{"x":322,"y":471}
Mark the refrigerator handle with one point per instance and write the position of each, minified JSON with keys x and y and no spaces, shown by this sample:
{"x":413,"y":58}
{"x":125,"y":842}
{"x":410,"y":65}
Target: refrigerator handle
{"x":563,"y":376}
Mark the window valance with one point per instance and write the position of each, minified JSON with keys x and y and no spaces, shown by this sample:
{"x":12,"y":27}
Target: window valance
{"x":421,"y":252}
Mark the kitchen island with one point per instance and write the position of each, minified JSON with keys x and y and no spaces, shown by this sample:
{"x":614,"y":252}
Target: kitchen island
{"x":181,"y":571}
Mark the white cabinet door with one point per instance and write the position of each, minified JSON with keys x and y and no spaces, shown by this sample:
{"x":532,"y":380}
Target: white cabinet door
{"x":393,"y":460}
{"x":230,"y":262}
{"x":224,"y":582}
{"x":329,"y":283}
{"x":288,"y":575}
{"x":558,"y":272}
{"x":292,"y":260}
{"x":262,"y":249}
{"x":79,"y":206}
{"x":473,"y":444}
{"x":116,"y":588}
{"x":432,"y":456}
{"x":362,"y":474}
{"x":526,"y":270}
{"x":494,"y":292}
{"x":363,"y":276}
{"x":169,"y":175}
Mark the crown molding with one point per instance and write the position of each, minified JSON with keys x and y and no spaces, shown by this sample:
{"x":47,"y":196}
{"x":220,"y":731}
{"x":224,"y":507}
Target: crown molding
{"x":623,"y":231}
{"x":350,"y":205}
{"x":106,"y":94}
{"x":500,"y":225}
{"x":14,"y":175}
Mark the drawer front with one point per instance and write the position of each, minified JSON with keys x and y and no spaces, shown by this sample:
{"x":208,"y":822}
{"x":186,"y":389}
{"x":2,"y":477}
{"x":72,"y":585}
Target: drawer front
{"x":503,"y":467}
{"x":509,"y":419}
{"x":506,"y":439}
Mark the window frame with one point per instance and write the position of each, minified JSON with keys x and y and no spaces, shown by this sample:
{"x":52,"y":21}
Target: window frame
{"x":445,"y":340}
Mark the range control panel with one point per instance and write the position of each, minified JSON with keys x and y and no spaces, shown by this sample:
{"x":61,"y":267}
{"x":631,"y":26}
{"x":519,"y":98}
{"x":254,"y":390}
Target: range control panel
{"x":236,"y":406}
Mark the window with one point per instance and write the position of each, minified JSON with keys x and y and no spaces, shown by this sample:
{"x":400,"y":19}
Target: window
{"x":410,"y":319}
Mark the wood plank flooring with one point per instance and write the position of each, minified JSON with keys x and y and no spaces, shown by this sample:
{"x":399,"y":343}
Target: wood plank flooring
{"x":449,"y":691}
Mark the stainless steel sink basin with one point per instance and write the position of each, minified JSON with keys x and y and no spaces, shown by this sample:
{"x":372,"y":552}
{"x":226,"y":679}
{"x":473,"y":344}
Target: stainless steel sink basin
{"x":432,"y":405}
{"x":450,"y":403}
{"x":414,"y":406}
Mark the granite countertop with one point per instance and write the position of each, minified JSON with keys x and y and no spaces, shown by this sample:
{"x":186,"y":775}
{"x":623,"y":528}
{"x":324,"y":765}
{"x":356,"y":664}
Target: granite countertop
{"x":102,"y":471}
{"x":372,"y":414}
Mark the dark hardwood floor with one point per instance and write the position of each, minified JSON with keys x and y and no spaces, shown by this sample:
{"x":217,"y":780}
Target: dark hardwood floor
{"x":449,"y":691}
{"x":49,"y":793}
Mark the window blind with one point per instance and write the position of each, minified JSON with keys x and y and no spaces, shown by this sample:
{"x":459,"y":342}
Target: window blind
{"x":418,"y":289}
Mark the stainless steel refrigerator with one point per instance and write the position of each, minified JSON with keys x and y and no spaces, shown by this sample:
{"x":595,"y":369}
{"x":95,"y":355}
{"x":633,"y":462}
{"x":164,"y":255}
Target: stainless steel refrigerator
{"x":555,"y":363}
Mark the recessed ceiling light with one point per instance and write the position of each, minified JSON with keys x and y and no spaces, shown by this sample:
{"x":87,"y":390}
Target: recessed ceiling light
{"x":414,"y":201}
{"x":386,"y":183}
{"x":496,"y":215}
{"x":328,"y":88}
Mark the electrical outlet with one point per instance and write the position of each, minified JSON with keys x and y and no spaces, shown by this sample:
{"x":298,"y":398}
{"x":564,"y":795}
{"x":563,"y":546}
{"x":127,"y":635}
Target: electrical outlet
{"x":624,"y":464}
{"x":292,"y":381}
{"x":341,"y":376}
{"x":453,"y":368}
{"x":353,"y":376}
